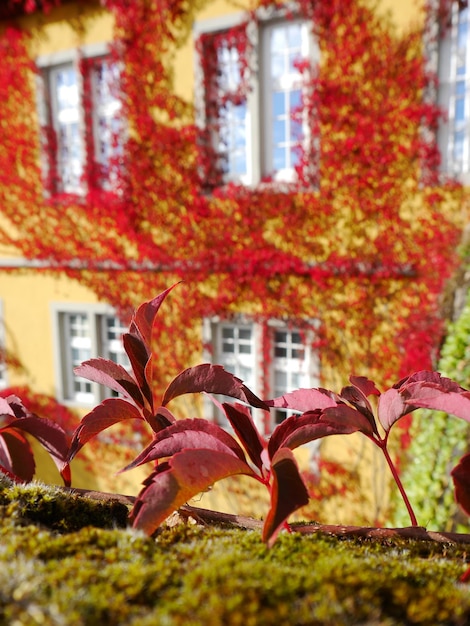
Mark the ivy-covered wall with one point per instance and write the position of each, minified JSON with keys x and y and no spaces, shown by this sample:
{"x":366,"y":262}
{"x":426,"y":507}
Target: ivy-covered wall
{"x":365,"y":250}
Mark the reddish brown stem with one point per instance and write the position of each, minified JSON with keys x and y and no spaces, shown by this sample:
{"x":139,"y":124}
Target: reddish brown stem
{"x":396,"y":478}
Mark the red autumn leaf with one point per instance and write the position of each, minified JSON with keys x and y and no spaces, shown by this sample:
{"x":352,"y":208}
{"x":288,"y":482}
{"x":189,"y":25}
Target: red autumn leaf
{"x":288,"y":493}
{"x":365,"y":385}
{"x":16,"y":455}
{"x":7,"y":409}
{"x":430,"y":378}
{"x":359,"y":401}
{"x":144,"y":317}
{"x":461,"y":478}
{"x":163,"y":417}
{"x":187,"y":473}
{"x":112,"y":375}
{"x":210,"y":379}
{"x":138,"y":357}
{"x":456,"y":403}
{"x":103,"y":416}
{"x":52,"y":438}
{"x":303,"y":400}
{"x":343,"y":415}
{"x":245,"y":429}
{"x":187,"y":434}
{"x":298,"y":430}
{"x":391,"y":407}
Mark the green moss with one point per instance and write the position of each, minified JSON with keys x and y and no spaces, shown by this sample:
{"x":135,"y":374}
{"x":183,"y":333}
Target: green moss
{"x":58,"y":509}
{"x":193,"y":575}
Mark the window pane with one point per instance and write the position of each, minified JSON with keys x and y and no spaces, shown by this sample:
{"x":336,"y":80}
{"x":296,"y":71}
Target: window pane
{"x":458,"y":139}
{"x":279,"y":105}
{"x":76,"y":348}
{"x":287,"y":45}
{"x":232,"y":140}
{"x":65,"y":111}
{"x":289,"y":367}
{"x":107,"y":118}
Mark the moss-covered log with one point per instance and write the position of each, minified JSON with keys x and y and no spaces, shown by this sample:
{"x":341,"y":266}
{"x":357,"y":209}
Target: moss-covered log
{"x":65,"y":559}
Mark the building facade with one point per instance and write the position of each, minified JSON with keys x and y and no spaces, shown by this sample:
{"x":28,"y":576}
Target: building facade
{"x":280,"y":159}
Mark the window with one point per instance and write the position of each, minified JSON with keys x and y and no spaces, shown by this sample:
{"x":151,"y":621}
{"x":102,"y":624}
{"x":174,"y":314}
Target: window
{"x":241,"y":348}
{"x":80,"y":111}
{"x":82,"y":334}
{"x":252,"y":100}
{"x":284,"y":44}
{"x":290,"y":367}
{"x":454,"y":94}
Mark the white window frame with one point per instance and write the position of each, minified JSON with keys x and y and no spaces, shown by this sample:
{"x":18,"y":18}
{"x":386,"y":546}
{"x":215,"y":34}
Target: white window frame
{"x":96,"y":343}
{"x":308,"y":370}
{"x":259,"y":147}
{"x":48,"y":65}
{"x":447,"y":97}
{"x":301,"y":373}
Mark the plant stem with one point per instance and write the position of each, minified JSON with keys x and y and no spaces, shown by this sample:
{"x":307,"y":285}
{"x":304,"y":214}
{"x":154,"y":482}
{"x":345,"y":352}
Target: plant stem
{"x":396,"y":478}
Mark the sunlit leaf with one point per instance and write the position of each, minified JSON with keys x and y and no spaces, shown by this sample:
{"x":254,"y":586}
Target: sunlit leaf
{"x":288,"y":493}
{"x":186,"y":434}
{"x":349,"y":417}
{"x":187,"y":474}
{"x":303,"y":400}
{"x":391,"y":407}
{"x":144,"y":317}
{"x":359,"y":401}
{"x":245,"y":429}
{"x":432,"y":398}
{"x":298,"y":430}
{"x":16,"y":455}
{"x":365,"y":385}
{"x":138,"y":357}
{"x":210,"y":379}
{"x":112,"y":375}
{"x":109,"y":412}
{"x":52,"y":438}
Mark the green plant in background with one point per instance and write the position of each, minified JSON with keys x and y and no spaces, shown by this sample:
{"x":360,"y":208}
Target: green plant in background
{"x":438,"y":442}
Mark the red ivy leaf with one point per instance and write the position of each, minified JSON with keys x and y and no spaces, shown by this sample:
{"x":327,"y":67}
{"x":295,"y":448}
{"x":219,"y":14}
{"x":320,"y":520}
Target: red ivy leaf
{"x":188,"y":473}
{"x":355,"y":396}
{"x":456,"y":403}
{"x":303,"y":400}
{"x":6,"y":408}
{"x":345,"y":416}
{"x":288,"y":493}
{"x":143,"y":318}
{"x":461,"y":478}
{"x":245,"y":429}
{"x":52,"y":438}
{"x":138,"y":357}
{"x":430,"y":378}
{"x":365,"y":385}
{"x":391,"y":407}
{"x":112,"y":375}
{"x":297,"y":430}
{"x":103,"y":416}
{"x":210,"y":379}
{"x":187,"y":434}
{"x":16,"y":455}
